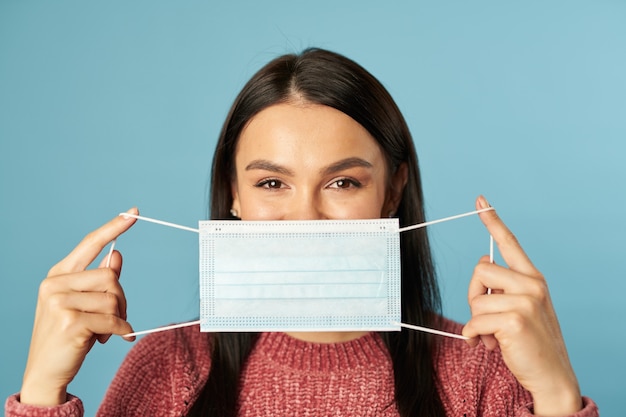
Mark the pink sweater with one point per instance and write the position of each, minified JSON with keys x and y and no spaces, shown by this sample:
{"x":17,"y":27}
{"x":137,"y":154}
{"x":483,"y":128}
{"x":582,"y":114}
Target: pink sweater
{"x":164,"y":372}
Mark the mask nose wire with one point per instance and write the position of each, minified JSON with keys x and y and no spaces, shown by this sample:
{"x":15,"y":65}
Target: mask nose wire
{"x":403,"y":229}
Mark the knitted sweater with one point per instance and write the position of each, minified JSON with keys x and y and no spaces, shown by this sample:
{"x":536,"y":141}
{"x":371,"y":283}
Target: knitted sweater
{"x":164,"y":373}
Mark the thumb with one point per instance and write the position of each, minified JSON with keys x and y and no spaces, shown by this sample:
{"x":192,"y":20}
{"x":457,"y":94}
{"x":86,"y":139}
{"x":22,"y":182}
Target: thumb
{"x":112,"y":260}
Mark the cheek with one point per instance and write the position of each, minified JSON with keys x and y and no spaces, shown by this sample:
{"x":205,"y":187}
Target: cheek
{"x":261,"y":213}
{"x":253,"y":209}
{"x":366,"y":206}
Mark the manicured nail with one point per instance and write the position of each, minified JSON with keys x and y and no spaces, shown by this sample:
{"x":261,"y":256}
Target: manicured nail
{"x":130,"y":211}
{"x":483,"y":202}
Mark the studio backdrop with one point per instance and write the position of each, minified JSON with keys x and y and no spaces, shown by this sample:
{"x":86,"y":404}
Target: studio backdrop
{"x":106,"y":105}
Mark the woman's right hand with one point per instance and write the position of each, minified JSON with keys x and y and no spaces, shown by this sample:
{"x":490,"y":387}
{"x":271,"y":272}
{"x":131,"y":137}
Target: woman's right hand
{"x":75,"y":308}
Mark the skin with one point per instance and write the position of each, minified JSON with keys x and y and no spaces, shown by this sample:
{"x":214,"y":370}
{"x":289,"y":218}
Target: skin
{"x":304,"y":161}
{"x":75,"y":308}
{"x":301,"y":161}
{"x":518,"y":316}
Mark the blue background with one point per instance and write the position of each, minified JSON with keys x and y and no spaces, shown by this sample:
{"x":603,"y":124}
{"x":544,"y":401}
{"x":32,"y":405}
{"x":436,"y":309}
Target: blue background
{"x":106,"y":105}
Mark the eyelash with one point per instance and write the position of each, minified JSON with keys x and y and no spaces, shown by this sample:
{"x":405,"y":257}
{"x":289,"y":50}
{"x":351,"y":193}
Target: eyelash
{"x":277,"y":184}
{"x":349,"y":181}
{"x":266,"y":184}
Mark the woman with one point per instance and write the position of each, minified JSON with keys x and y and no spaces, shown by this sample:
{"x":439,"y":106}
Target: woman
{"x":314,"y":136}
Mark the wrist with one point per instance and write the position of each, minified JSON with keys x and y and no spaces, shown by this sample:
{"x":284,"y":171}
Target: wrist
{"x":38,"y":394}
{"x":562,"y":403}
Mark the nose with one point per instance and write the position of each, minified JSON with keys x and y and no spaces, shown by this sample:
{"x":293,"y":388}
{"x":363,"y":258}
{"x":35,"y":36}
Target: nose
{"x":305,"y":205}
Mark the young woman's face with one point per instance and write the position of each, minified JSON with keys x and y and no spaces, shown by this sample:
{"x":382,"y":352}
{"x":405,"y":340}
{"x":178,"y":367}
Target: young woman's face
{"x":301,"y":161}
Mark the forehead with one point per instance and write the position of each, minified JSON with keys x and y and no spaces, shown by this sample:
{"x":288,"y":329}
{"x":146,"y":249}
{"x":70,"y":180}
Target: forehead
{"x":304,"y":133}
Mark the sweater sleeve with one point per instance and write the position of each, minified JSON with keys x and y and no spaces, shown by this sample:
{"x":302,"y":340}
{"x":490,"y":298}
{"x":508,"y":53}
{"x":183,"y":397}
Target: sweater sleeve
{"x":73,"y":407}
{"x":503,"y":395}
{"x":163,"y":371}
{"x":590,"y":409}
{"x":477,"y":382}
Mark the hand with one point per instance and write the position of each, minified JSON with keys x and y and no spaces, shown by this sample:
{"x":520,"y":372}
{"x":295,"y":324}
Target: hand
{"x":75,"y":308}
{"x":519,"y":317}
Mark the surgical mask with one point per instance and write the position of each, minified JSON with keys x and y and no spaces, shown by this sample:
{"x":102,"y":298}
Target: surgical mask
{"x":327,"y":275}
{"x":317,"y":275}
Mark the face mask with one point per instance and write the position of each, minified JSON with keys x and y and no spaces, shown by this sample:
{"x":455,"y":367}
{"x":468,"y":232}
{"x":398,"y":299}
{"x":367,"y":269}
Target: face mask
{"x":328,"y":275}
{"x":318,"y":275}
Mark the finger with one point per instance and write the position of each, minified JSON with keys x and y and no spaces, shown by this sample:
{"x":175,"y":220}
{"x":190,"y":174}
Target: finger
{"x":509,"y":247}
{"x":482,"y":325}
{"x":105,"y":324}
{"x":103,"y":338}
{"x":476,"y":285}
{"x":510,"y":326}
{"x":91,"y":246}
{"x":106,"y":261}
{"x":501,"y":303}
{"x":489,"y":341}
{"x":85,"y":326}
{"x":89,"y":302}
{"x":501,"y":279}
{"x":115,"y":262}
{"x":92,"y":281}
{"x":103,"y":303}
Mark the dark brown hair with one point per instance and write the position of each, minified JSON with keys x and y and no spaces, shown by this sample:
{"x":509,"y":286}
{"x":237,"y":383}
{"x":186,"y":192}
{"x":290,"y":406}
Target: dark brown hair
{"x":326,"y":78}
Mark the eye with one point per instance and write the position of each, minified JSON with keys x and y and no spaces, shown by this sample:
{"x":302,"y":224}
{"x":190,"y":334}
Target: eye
{"x":345,"y":183}
{"x":270,"y":183}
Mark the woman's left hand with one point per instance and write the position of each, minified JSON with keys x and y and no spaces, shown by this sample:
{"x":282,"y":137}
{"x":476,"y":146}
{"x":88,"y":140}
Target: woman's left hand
{"x":518,"y":316}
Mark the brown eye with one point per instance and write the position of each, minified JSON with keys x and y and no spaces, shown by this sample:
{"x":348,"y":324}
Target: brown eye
{"x":345,"y":183}
{"x":270,"y":184}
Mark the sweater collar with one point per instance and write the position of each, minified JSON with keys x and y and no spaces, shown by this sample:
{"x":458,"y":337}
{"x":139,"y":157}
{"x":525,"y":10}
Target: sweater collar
{"x":368,"y":350}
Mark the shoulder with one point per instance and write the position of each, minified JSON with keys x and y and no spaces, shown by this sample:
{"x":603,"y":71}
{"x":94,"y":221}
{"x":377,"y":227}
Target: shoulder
{"x":182,"y":350}
{"x":170,"y":347}
{"x":475,"y":377}
{"x":454,"y":353}
{"x":454,"y":356}
{"x":183,"y":342}
{"x":163,"y":370}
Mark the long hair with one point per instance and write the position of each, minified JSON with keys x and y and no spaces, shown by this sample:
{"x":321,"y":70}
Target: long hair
{"x":326,"y":78}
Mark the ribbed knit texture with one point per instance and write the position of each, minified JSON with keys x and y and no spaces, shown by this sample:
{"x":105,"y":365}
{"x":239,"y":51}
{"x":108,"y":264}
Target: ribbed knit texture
{"x":164,"y":373}
{"x":299,"y":378}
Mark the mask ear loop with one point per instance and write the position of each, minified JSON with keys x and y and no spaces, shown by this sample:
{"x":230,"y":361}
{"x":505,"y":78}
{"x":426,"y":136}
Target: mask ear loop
{"x":163,"y":328}
{"x":108,"y":264}
{"x":403,"y":229}
{"x":418,"y":226}
{"x":168,"y":224}
{"x":490,"y":256}
{"x":445,"y":219}
{"x":431,"y":331}
{"x":174,"y":326}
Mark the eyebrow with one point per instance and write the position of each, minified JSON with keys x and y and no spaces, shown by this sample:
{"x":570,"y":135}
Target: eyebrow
{"x":265,"y":165}
{"x":347,"y":163}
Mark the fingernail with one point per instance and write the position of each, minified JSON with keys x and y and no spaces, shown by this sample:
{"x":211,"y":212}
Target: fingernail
{"x":483,"y":202}
{"x":130,"y":211}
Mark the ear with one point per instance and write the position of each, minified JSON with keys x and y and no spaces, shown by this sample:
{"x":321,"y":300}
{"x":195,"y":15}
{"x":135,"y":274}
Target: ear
{"x":235,"y":194}
{"x":395,"y":191}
